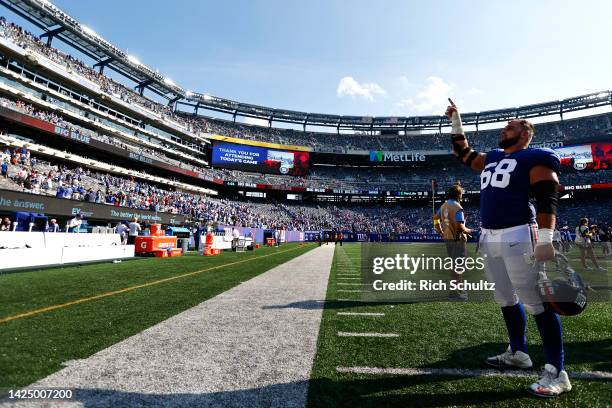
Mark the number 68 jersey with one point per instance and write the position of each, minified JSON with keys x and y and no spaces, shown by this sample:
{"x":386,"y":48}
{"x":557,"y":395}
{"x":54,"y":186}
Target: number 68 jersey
{"x":505,"y":186}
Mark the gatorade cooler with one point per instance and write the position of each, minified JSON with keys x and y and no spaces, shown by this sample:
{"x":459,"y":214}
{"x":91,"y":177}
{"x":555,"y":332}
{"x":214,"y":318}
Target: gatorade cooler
{"x":156,"y":230}
{"x":208,"y":241}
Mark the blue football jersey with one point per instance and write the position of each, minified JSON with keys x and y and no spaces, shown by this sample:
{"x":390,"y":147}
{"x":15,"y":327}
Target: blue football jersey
{"x":505,"y":186}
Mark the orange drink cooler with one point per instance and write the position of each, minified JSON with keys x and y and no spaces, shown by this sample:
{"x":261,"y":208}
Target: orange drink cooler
{"x":156,"y":230}
{"x":150,"y":244}
{"x":208,"y":249}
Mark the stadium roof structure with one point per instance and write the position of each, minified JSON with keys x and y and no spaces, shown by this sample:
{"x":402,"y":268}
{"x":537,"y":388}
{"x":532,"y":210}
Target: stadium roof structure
{"x":57,"y":23}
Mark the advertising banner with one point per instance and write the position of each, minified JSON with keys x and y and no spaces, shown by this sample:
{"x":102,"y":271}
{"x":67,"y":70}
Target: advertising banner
{"x":11,"y":201}
{"x":388,"y":157}
{"x":259,"y":159}
{"x":593,"y":156}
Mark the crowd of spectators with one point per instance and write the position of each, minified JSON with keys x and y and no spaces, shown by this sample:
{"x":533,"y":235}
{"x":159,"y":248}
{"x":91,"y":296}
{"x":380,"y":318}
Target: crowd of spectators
{"x":79,"y":132}
{"x":27,"y":173}
{"x":29,"y":41}
{"x":559,"y":131}
{"x":321,"y":177}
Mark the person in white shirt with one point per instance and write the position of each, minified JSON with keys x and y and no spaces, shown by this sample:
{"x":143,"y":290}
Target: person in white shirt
{"x":556,"y":239}
{"x":583,"y":242}
{"x":75,"y":224}
{"x":122,"y":231}
{"x":134,"y":229}
{"x":52,"y":226}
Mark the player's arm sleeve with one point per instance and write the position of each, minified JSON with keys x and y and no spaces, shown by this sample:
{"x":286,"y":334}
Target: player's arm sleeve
{"x":544,"y":184}
{"x":467,"y":155}
{"x":548,"y":158}
{"x":459,"y":217}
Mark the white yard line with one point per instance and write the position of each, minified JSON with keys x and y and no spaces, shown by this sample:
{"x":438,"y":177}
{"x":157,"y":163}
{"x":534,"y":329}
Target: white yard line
{"x":350,"y":334}
{"x":359,"y":314}
{"x":457,"y":372}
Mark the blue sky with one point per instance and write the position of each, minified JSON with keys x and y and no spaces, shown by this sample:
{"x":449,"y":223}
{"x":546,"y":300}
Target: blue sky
{"x":365,"y":57}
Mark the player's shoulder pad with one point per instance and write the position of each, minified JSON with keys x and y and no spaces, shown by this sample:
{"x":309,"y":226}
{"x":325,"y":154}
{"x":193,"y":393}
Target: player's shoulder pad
{"x":543,"y":156}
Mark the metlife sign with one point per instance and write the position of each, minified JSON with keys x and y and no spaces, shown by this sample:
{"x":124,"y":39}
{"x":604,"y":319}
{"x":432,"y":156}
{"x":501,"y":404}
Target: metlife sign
{"x":379,"y":156}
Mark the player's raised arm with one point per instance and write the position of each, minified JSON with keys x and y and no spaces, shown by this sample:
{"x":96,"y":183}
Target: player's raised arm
{"x":461,"y":147}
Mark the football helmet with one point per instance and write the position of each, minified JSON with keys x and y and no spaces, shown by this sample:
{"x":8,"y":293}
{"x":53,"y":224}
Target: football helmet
{"x":566,"y":293}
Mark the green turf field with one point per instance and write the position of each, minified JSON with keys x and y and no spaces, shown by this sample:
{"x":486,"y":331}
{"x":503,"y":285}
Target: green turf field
{"x":442,"y":335}
{"x":34,"y":346}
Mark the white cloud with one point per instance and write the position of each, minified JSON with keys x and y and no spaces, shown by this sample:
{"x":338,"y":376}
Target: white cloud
{"x":431,"y":99}
{"x":348,"y":86}
{"x":474,"y":91}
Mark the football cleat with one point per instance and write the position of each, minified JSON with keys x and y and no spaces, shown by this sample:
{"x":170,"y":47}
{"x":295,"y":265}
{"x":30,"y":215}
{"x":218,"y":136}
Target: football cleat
{"x":551,"y":384}
{"x":508,"y":359}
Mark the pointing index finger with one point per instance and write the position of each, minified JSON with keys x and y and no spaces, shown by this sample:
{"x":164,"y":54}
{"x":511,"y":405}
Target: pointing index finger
{"x":452,"y":103}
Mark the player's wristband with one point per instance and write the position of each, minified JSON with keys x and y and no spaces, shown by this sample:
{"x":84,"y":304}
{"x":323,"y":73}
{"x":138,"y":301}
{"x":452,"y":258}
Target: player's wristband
{"x":456,"y":128}
{"x":455,"y":139}
{"x":545,"y":236}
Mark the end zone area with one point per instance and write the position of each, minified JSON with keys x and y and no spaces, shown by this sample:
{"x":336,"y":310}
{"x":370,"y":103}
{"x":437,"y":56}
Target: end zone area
{"x":51,"y":316}
{"x":431,"y":354}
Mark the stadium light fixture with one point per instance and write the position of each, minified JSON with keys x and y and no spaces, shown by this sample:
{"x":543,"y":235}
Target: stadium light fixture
{"x":189,"y":94}
{"x":168,"y":81}
{"x":133,"y":60}
{"x":207,"y":97}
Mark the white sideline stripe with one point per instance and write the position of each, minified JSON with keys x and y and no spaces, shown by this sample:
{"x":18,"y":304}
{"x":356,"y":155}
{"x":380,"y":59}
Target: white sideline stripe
{"x":195,"y":360}
{"x":457,"y":372}
{"x":350,"y":334}
{"x":351,"y":290}
{"x":351,"y":283}
{"x":359,"y":314}
{"x":347,"y":274}
{"x":349,"y":278}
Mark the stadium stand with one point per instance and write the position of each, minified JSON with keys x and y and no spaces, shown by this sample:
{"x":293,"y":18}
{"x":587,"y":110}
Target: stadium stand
{"x":568,"y":130}
{"x":30,"y":174}
{"x":177,"y":138}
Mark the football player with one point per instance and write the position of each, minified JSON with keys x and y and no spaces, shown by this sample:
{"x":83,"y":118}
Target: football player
{"x":511,"y":228}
